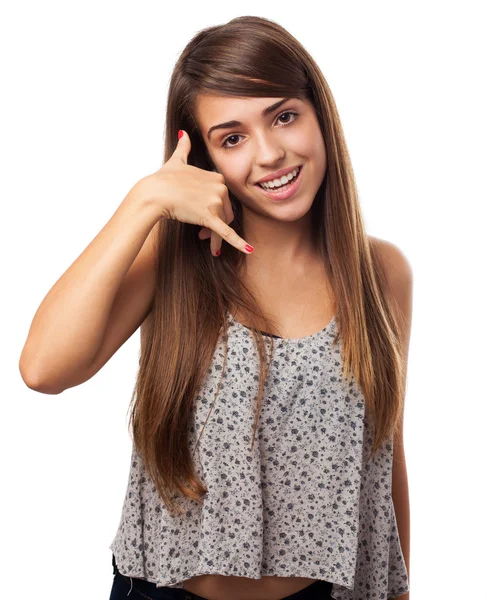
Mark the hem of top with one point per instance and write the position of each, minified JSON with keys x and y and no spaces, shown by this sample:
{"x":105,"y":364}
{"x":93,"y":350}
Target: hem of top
{"x":187,"y":576}
{"x":398,"y":593}
{"x":177,"y":584}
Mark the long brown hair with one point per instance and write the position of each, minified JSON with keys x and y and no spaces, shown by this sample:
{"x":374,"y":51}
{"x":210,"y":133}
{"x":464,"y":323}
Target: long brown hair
{"x":254,"y":57}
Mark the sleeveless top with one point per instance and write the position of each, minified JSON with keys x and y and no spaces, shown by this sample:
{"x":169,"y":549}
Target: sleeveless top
{"x":306,"y":501}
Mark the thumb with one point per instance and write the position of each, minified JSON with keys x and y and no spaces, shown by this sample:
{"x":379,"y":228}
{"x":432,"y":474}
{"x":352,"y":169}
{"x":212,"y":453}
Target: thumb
{"x":184,"y":146}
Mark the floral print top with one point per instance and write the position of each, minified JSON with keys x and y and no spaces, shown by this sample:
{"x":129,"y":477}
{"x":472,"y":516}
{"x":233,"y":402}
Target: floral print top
{"x":305,"y":501}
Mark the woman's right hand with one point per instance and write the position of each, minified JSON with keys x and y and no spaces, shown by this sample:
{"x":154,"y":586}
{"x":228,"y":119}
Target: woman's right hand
{"x":192,"y":195}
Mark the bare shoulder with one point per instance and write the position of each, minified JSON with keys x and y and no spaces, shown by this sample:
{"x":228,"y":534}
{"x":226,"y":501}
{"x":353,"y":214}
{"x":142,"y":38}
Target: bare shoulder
{"x":399,"y":275}
{"x":397,"y":267}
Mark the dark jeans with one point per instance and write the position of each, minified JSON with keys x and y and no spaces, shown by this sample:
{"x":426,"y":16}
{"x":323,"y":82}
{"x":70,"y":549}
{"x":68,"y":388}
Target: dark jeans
{"x":140,"y":589}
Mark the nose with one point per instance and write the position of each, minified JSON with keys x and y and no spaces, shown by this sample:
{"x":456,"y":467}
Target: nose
{"x":268,"y":150}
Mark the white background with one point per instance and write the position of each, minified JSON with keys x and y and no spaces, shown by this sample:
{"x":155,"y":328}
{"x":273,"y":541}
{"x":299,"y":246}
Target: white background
{"x":82,"y":119}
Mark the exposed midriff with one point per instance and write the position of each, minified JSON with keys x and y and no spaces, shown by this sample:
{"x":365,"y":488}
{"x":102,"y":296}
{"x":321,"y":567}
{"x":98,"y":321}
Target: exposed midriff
{"x":223,"y":587}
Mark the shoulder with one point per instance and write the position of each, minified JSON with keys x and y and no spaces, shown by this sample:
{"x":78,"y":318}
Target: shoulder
{"x":399,"y":275}
{"x":397,"y":270}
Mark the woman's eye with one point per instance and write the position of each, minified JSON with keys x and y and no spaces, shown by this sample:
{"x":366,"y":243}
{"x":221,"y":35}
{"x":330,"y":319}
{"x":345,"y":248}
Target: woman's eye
{"x":287,"y":112}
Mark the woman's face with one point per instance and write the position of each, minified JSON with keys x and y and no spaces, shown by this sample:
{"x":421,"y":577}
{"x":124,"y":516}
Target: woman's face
{"x":286,"y":136}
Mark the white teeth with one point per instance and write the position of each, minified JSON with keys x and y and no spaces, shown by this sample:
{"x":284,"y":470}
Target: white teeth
{"x":280,"y":182}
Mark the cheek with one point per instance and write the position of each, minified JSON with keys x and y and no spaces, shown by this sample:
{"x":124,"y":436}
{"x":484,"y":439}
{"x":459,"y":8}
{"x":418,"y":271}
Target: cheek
{"x":316,"y":148}
{"x":301,"y":144}
{"x":236,"y":169}
{"x":321,"y":152}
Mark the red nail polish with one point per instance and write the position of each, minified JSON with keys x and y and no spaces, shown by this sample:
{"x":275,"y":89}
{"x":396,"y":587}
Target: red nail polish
{"x":217,"y":253}
{"x":249,"y":248}
{"x":180,"y":134}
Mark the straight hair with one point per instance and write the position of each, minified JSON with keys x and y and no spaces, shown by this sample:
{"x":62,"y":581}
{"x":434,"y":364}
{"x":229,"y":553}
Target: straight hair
{"x":254,"y":57}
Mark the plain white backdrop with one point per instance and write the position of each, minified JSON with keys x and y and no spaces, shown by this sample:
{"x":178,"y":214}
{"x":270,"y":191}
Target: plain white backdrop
{"x":82,"y":120}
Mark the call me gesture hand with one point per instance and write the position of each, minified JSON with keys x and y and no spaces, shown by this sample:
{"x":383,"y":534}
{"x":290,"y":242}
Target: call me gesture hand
{"x":192,"y":195}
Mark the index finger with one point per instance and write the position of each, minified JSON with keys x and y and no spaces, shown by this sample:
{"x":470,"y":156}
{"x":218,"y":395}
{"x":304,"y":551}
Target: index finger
{"x":227,"y":233}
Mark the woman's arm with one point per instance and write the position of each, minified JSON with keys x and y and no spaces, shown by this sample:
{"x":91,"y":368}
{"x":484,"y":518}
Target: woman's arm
{"x":97,"y":303}
{"x":400,"y":278}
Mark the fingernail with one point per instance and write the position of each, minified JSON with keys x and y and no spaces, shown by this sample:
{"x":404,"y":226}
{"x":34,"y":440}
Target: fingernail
{"x":217,"y":253}
{"x":180,"y":134}
{"x":249,"y":248}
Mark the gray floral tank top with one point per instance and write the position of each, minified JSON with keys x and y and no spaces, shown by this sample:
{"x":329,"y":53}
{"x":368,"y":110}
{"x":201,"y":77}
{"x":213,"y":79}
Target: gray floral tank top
{"x":306,"y":501}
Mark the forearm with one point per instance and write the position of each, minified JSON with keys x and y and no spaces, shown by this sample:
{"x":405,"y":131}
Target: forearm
{"x":68,"y":327}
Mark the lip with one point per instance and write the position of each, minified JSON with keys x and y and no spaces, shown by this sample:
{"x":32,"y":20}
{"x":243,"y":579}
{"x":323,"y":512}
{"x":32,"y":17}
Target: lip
{"x":277,"y":174}
{"x":284,"y":195}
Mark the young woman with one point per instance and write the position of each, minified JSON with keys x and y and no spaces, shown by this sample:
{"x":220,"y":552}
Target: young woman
{"x":268,"y":458}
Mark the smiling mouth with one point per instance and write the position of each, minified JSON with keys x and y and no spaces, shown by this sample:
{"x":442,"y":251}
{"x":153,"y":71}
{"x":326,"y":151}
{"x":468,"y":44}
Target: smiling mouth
{"x":278,"y":178}
{"x":285,"y":191}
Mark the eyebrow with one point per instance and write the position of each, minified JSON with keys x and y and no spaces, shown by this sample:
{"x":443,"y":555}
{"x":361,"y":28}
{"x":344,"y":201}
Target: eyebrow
{"x":229,"y":124}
